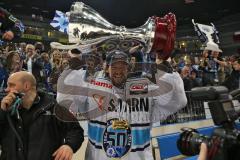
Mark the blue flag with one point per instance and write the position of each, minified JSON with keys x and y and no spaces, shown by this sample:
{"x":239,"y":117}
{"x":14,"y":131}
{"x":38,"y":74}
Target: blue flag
{"x":60,"y":22}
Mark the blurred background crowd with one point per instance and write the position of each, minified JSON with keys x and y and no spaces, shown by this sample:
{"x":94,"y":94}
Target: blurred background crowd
{"x":208,"y":68}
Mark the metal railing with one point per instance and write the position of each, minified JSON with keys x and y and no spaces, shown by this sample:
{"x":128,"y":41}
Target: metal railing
{"x":194,"y":110}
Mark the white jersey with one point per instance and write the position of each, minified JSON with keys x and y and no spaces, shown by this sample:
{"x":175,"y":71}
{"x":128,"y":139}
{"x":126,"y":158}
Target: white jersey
{"x":140,"y":104}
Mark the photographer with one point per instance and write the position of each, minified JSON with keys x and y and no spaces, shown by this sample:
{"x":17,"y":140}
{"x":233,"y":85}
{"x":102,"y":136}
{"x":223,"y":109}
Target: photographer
{"x":224,"y":141}
{"x":30,"y":130}
{"x":203,"y":152}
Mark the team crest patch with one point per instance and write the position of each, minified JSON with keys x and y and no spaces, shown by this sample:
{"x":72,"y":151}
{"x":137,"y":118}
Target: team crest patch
{"x":116,"y":142}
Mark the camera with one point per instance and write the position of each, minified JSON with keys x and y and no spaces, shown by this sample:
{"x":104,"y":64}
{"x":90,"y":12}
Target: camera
{"x":224,"y":143}
{"x":3,"y":94}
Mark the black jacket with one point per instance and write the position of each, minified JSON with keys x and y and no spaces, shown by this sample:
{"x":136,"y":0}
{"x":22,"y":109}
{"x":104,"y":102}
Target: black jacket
{"x":38,"y":133}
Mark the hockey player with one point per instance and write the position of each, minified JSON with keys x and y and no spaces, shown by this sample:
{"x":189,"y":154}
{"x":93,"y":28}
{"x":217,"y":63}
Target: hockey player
{"x":120,"y":110}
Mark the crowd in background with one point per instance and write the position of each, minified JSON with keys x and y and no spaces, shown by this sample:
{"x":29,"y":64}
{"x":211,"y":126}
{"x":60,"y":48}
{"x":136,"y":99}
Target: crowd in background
{"x":45,"y":65}
{"x":210,"y":68}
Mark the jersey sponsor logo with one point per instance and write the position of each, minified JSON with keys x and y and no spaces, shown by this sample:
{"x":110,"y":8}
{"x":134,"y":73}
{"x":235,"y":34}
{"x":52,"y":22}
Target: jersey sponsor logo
{"x":102,"y":84}
{"x":99,"y":100}
{"x":138,"y":88}
{"x":131,"y":105}
{"x":116,"y":142}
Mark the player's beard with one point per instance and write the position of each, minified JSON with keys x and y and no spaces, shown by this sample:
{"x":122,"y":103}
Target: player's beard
{"x":119,"y":82}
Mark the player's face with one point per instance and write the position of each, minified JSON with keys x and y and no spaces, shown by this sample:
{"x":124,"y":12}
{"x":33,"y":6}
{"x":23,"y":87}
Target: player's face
{"x":118,"y":73}
{"x":90,"y":64}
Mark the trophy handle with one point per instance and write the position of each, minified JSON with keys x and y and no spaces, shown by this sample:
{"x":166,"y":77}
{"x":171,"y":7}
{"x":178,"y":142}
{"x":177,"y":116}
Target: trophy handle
{"x":165,"y":35}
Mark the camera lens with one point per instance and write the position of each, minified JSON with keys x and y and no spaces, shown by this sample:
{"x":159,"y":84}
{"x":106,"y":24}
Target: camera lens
{"x":190,"y":141}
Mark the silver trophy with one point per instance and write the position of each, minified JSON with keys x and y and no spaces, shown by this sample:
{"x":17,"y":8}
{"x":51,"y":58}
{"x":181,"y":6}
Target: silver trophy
{"x":88,"y":28}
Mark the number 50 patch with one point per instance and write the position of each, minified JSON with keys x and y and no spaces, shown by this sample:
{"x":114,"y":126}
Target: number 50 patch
{"x":116,"y":142}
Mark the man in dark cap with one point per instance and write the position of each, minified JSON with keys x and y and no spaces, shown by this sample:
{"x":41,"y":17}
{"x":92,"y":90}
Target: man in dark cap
{"x":118,"y":63}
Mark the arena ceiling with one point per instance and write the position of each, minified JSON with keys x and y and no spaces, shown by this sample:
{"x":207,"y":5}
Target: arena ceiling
{"x":132,"y":13}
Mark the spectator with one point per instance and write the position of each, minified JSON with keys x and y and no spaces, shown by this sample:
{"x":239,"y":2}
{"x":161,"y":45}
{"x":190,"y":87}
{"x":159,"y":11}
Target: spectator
{"x":13,"y":62}
{"x":47,"y":70}
{"x":22,"y":50}
{"x":185,"y":74}
{"x":90,"y":66}
{"x":39,"y":47}
{"x":205,"y":67}
{"x":233,"y":81}
{"x":196,"y":82}
{"x":65,"y":64}
{"x":181,"y":63}
{"x":33,"y":131}
{"x":56,"y":69}
{"x":3,"y":78}
{"x":219,"y":65}
{"x":221,"y":73}
{"x":215,"y":61}
{"x":56,"y":59}
{"x":136,"y":66}
{"x":189,"y":78}
{"x":33,"y":63}
{"x":10,"y":47}
{"x":3,"y":71}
